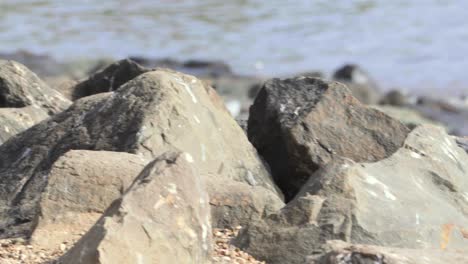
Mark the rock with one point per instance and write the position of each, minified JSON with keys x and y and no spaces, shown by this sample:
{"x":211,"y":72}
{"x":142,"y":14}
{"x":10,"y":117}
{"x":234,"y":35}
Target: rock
{"x":338,"y":252}
{"x":16,"y":120}
{"x":62,"y":84}
{"x":406,"y":115}
{"x":81,"y":185}
{"x":150,"y":114}
{"x":415,"y":198}
{"x":164,"y":217}
{"x":298,"y":125}
{"x":359,"y":82}
{"x":108,"y":79}
{"x":19,"y":87}
{"x":25,"y":100}
{"x":395,"y":98}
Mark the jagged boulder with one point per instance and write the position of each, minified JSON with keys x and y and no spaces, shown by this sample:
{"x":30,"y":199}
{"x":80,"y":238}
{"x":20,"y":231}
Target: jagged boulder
{"x":81,"y":185}
{"x":415,"y":198}
{"x":164,"y":217}
{"x":300,"y":124}
{"x":156,"y":111}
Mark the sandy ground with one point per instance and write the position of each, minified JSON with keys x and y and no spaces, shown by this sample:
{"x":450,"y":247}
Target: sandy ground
{"x":18,"y":251}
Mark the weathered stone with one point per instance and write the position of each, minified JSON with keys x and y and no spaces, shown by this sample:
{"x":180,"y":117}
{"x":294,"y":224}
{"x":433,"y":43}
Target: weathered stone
{"x":164,"y":217}
{"x":24,"y":99}
{"x":19,"y":87}
{"x":301,"y":124}
{"x":415,"y":198}
{"x":16,"y":120}
{"x":339,"y":252}
{"x":359,"y":82}
{"x":154,"y":112}
{"x":82,"y":184}
{"x":108,"y":79}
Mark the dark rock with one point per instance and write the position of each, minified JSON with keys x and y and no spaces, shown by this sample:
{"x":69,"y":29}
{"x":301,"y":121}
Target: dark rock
{"x":359,"y":82}
{"x":299,"y":125}
{"x":415,"y":198}
{"x":108,"y":79}
{"x":164,"y":217}
{"x":156,"y":111}
{"x":395,"y":98}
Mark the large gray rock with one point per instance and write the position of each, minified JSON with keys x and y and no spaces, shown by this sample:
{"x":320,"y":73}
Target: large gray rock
{"x":359,"y":82}
{"x":415,"y":198}
{"x":298,"y":125}
{"x":81,"y":185}
{"x":25,"y":99}
{"x":164,"y":217}
{"x":339,"y":252}
{"x":154,"y":112}
{"x":108,"y":79}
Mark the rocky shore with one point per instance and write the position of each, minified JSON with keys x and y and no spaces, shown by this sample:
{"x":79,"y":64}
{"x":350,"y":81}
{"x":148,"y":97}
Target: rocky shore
{"x":159,"y":161}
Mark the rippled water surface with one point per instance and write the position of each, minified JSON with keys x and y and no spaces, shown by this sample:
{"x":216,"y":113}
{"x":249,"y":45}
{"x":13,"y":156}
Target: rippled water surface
{"x":417,"y":44}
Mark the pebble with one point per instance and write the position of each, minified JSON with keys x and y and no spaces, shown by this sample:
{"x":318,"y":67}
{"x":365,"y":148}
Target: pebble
{"x":19,"y":251}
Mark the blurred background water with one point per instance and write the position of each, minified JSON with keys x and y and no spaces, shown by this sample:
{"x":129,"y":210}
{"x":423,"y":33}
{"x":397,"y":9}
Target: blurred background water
{"x":418,"y":44}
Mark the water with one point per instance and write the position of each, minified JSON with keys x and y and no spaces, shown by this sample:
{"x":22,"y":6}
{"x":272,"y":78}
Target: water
{"x":415,"y":44}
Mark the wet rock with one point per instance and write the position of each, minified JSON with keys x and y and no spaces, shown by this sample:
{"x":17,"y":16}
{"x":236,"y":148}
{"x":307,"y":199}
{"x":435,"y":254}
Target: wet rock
{"x":25,"y":99}
{"x":148,"y":115}
{"x":338,"y":252}
{"x":359,"y":82}
{"x":164,"y":217}
{"x":108,"y":79}
{"x":298,"y":125}
{"x":81,"y":185}
{"x":415,"y":198}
